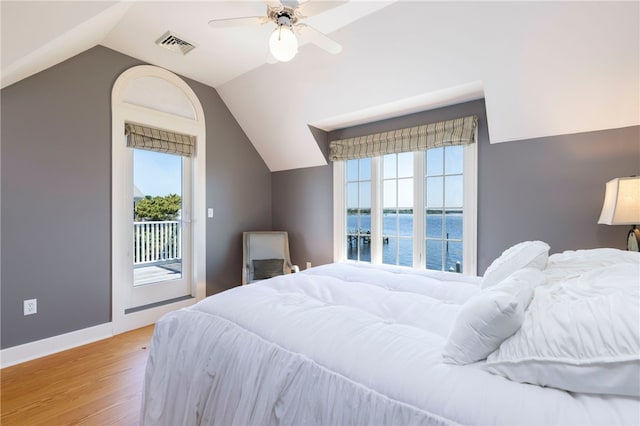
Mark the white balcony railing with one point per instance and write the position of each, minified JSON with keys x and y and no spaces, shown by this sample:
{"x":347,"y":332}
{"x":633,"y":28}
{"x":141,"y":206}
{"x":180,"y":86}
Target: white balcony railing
{"x":156,"y":241}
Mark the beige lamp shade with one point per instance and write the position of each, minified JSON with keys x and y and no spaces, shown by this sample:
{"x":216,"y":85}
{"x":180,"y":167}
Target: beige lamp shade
{"x":621,"y":202}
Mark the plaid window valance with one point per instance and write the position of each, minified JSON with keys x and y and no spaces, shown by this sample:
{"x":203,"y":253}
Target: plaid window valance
{"x":460,"y":131}
{"x":151,"y":139}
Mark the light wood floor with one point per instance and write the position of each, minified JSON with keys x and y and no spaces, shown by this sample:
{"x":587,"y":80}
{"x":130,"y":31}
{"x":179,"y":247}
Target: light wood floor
{"x":95,"y":384}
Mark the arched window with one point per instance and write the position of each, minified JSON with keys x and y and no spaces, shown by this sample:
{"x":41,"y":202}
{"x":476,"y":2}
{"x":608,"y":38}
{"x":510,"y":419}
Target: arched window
{"x":158,"y":138}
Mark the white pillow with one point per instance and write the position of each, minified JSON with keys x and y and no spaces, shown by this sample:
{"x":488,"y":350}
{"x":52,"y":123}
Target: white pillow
{"x":532,"y":254}
{"x":489,"y":317}
{"x":580,"y":335}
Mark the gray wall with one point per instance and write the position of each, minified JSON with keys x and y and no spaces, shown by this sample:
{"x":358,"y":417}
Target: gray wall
{"x":552,"y":189}
{"x":238,"y":190}
{"x":303,"y":206}
{"x":549,"y":188}
{"x":56,"y":195}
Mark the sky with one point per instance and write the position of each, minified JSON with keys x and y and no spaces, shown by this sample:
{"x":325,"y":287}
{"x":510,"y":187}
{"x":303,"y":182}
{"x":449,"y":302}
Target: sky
{"x":156,"y":173}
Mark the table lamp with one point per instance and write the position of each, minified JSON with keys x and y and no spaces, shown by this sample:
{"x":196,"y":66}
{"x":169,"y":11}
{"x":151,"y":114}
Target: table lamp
{"x":622,"y":207}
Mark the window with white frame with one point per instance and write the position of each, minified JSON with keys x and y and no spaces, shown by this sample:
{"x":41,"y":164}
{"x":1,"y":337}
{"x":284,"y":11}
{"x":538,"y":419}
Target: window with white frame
{"x":358,"y":230}
{"x":444,"y":208}
{"x":397,"y":209}
{"x":414,"y":208}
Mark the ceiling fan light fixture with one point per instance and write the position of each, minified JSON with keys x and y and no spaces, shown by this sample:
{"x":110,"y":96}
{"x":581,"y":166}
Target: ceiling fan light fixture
{"x":283,"y":43}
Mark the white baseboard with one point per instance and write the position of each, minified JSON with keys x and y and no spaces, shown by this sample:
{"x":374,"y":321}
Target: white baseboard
{"x":39,"y":348}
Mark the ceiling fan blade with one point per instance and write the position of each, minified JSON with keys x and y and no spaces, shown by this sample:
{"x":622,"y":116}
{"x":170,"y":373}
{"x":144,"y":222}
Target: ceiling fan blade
{"x":238,"y":22}
{"x":316,"y":37}
{"x":310,"y":8}
{"x":274,"y":5}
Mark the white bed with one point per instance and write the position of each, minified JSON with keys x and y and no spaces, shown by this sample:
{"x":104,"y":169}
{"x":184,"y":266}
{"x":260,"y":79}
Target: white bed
{"x":351,"y":344}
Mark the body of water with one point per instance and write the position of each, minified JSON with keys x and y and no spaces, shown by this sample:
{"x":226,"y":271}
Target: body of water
{"x":444,"y":233}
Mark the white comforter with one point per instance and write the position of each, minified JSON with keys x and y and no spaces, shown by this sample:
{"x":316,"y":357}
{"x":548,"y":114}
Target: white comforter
{"x":342,"y":344}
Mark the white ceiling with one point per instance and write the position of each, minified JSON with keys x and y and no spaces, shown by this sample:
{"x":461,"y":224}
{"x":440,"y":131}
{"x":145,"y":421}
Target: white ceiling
{"x":544,"y":68}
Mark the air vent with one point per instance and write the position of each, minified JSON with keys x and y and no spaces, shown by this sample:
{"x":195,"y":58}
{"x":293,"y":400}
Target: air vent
{"x":174,"y":43}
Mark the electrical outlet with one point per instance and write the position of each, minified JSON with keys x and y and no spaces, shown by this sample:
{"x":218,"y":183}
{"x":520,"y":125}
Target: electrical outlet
{"x":308,"y":265}
{"x":30,"y":306}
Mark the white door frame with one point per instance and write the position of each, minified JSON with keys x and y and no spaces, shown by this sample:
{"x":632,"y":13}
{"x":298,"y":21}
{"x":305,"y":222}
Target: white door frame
{"x":171,"y":105}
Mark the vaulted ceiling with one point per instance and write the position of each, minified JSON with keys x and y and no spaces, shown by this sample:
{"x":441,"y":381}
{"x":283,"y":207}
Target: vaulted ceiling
{"x":544,"y":68}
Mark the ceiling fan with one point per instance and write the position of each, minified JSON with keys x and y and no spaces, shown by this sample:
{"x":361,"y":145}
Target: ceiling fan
{"x":286,"y":15}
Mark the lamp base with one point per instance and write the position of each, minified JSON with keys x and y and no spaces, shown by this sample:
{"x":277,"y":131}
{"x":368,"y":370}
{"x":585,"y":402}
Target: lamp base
{"x":633,"y":239}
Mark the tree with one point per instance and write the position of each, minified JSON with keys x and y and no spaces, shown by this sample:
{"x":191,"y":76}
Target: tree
{"x":158,"y":208}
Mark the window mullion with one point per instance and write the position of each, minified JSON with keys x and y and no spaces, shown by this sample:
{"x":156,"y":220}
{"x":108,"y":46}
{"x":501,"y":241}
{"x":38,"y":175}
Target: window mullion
{"x":359,"y":215}
{"x":339,"y":211}
{"x":376,"y":210}
{"x":443,"y":236}
{"x":419,"y":211}
{"x":470,"y":208}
